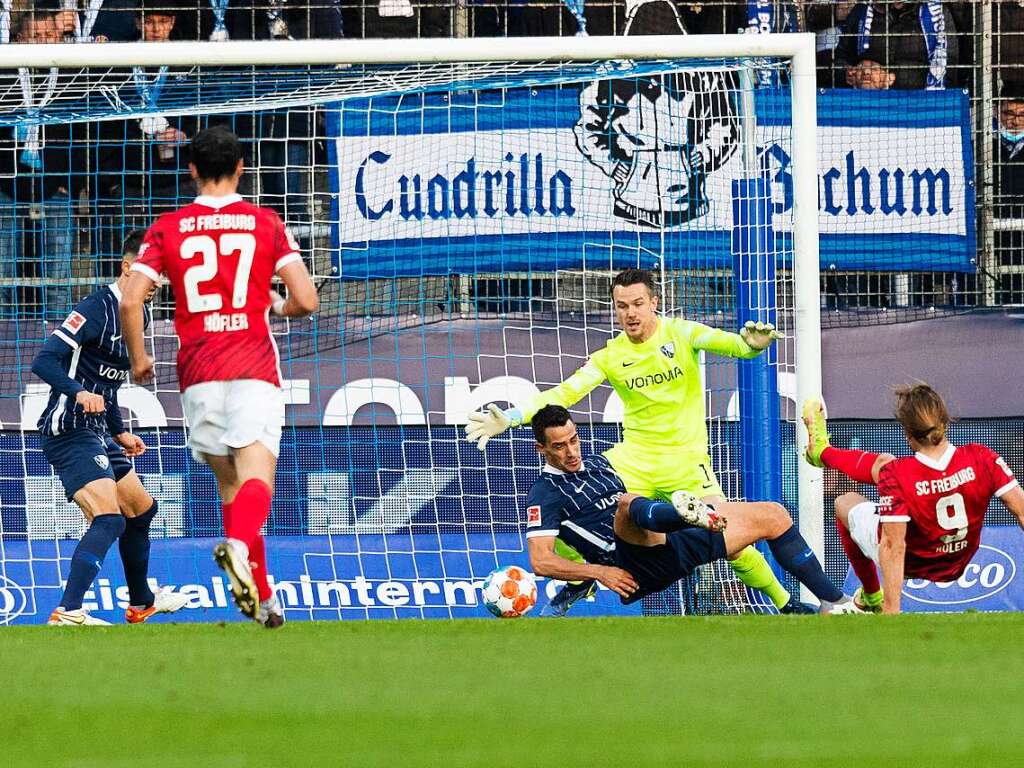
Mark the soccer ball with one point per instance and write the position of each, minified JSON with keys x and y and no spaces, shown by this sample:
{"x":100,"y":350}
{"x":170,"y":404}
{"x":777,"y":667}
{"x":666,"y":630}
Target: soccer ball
{"x":510,"y":592}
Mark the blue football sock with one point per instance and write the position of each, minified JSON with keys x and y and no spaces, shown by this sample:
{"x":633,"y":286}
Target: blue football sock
{"x":792,"y":553}
{"x":655,"y":515}
{"x":134,"y":546}
{"x":88,"y":557}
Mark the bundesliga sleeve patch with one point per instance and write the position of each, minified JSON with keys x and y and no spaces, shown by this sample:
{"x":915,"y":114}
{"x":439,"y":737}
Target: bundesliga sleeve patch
{"x":74,"y":322}
{"x":533,"y":516}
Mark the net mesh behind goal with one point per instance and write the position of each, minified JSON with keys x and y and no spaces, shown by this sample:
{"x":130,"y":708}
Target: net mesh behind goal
{"x":463,"y":222}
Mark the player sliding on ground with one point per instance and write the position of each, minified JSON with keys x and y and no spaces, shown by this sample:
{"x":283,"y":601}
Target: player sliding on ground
{"x":653,"y":367}
{"x":220,"y":254}
{"x":85,"y":440}
{"x":635,"y":545}
{"x":927,"y":524}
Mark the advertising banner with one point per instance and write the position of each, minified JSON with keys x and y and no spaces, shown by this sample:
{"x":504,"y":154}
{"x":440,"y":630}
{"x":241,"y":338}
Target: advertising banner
{"x":540,"y":179}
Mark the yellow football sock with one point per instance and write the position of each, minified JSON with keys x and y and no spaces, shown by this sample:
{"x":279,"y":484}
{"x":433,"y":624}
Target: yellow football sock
{"x":753,"y":570}
{"x":873,"y":598}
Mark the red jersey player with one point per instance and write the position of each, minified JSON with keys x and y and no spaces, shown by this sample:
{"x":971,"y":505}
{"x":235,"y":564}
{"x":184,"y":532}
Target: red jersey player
{"x":219,"y":254}
{"x":927,"y":523}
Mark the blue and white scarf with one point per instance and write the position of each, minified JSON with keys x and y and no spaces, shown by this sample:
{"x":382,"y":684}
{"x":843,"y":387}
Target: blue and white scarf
{"x":576,"y":9}
{"x":29,"y":134}
{"x":149,"y":93}
{"x":933,"y":27}
{"x":220,"y":28}
{"x":83,"y":26}
{"x":5,"y":21}
{"x":763,"y":17}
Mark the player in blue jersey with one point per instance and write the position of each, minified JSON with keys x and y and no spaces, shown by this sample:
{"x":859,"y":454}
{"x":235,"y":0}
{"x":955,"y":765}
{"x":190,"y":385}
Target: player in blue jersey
{"x":85,"y":440}
{"x":635,"y":545}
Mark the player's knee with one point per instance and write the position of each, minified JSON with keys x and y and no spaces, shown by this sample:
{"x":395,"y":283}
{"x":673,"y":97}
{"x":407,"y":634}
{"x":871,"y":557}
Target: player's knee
{"x":845,"y":503}
{"x":776,"y":518}
{"x":622,"y":517}
{"x":137,"y":505}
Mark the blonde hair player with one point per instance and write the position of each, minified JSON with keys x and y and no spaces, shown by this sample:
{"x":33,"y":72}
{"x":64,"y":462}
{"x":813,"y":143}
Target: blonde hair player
{"x":931,"y":506}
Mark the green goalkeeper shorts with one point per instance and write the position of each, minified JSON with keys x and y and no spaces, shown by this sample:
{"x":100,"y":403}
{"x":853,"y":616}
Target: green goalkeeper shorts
{"x":658,"y":475}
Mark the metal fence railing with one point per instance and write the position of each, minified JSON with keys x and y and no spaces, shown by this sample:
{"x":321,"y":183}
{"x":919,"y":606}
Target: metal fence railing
{"x":982,"y":52}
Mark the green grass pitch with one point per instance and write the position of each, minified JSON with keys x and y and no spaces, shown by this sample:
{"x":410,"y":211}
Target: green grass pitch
{"x":851,"y":691}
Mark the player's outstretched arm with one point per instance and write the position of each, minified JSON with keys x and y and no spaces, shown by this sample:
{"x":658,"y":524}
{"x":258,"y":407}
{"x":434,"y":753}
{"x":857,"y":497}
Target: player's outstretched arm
{"x":571,"y":391}
{"x":1013,"y":500}
{"x":748,"y":343}
{"x":546,"y":562}
{"x":892,"y":548}
{"x":302,"y":297}
{"x":133,"y":324}
{"x":482,"y":426}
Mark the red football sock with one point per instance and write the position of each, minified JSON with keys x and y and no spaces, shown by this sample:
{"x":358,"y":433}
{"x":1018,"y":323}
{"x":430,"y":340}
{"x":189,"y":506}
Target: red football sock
{"x":249,"y":511}
{"x":257,"y":558}
{"x":854,"y":464}
{"x":863,"y":566}
{"x":258,"y":561}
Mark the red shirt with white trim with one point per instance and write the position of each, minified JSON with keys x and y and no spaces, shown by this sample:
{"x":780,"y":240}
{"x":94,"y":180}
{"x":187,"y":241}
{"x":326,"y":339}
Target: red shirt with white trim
{"x":943,"y":503}
{"x":219,"y":254}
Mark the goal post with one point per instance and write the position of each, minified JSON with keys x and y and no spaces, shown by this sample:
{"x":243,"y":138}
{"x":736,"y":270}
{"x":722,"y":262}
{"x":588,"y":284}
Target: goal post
{"x":504,"y":265}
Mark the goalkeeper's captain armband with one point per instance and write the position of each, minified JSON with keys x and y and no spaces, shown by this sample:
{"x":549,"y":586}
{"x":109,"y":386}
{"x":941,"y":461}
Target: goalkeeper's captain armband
{"x":481,"y":426}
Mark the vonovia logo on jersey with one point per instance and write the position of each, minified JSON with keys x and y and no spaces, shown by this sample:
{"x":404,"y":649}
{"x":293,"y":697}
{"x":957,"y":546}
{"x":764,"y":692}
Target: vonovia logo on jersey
{"x":101,"y":461}
{"x":13,"y":600}
{"x":668,"y":350}
{"x":990,"y":572}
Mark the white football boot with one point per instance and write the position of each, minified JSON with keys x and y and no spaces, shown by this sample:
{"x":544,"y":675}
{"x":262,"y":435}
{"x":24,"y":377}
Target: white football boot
{"x":270,"y":614}
{"x":232,"y":557}
{"x":846,"y":605}
{"x":165,"y":600}
{"x":693,"y":511}
{"x":79,"y":617}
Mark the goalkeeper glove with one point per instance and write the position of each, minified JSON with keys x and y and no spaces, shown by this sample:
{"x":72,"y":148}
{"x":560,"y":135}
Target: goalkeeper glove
{"x":482,"y":426}
{"x":759,"y":336}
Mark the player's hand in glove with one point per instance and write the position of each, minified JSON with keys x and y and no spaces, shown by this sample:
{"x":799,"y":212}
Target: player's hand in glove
{"x":482,"y":426}
{"x":759,"y":335}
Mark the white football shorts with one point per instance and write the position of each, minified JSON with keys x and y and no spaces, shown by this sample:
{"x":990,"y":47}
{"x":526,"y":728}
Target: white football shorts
{"x":222,"y":415}
{"x":863,"y":521}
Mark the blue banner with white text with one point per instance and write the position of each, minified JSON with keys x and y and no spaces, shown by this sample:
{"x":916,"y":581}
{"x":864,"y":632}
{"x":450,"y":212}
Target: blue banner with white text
{"x":561,"y":177}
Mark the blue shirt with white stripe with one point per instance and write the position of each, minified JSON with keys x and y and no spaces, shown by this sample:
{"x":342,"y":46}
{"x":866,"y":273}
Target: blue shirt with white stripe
{"x":86,"y":352}
{"x":577,"y":507}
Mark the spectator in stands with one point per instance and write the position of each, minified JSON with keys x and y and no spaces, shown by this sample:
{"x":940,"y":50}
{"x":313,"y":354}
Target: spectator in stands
{"x":899,"y":45}
{"x":282,"y":139}
{"x":1008,"y":44}
{"x":1010,"y":153}
{"x":275,"y":20}
{"x":41,"y":174}
{"x":398,"y":18}
{"x":826,"y":19}
{"x":142,"y":164}
{"x":107,"y":21}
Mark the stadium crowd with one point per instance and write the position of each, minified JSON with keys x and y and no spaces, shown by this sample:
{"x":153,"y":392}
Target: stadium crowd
{"x":124,"y":173}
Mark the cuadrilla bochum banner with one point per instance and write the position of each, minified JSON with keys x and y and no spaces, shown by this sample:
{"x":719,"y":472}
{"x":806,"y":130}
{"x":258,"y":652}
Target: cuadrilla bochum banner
{"x":614,"y":170}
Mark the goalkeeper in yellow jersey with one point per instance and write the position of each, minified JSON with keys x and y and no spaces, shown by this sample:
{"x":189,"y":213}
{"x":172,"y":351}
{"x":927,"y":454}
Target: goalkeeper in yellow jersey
{"x":652,"y":365}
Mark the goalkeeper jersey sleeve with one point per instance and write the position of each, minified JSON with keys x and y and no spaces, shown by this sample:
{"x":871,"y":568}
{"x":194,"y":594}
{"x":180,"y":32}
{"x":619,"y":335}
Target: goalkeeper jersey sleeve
{"x":570,"y":391}
{"x":704,"y":337}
